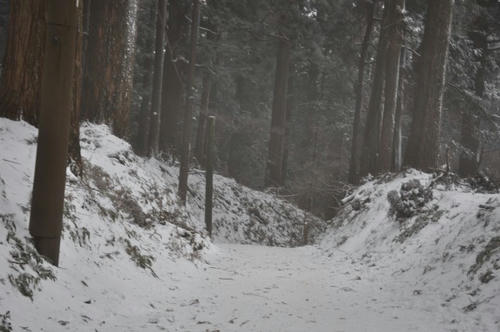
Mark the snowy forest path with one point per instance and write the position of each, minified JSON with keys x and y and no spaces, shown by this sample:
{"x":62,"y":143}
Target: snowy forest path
{"x":257,"y":288}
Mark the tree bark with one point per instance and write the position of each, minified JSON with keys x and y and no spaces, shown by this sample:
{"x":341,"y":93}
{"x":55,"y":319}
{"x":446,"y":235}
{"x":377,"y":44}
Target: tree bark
{"x":22,"y":70}
{"x":52,"y":150}
{"x":209,"y":174}
{"x":20,"y":89}
{"x":371,"y":139}
{"x":423,"y":143}
{"x":274,"y":176}
{"x":155,"y":114}
{"x":188,"y":111}
{"x":74,"y":138}
{"x":288,"y":119}
{"x":173,"y":86}
{"x":393,"y":54}
{"x":107,"y":86}
{"x":356,"y":127}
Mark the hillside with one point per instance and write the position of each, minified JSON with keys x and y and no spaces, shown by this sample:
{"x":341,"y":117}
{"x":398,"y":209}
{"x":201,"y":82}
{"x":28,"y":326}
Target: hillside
{"x":437,"y":235}
{"x":411,"y":251}
{"x":122,"y":225}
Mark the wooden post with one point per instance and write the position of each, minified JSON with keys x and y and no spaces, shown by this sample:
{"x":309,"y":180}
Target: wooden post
{"x":209,"y":174}
{"x":52,"y":151}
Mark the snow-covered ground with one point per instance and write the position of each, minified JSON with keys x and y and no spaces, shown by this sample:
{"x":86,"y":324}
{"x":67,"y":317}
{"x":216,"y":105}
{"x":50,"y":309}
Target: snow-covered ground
{"x":133,"y":260}
{"x":444,"y":259}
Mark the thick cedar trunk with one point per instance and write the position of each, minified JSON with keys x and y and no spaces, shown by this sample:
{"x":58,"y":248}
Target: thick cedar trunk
{"x":173,"y":87}
{"x":109,"y":63}
{"x":74,"y":138}
{"x":145,"y":111}
{"x":55,"y":118}
{"x":4,"y":14}
{"x":145,"y":108}
{"x":423,"y":143}
{"x":155,"y":114}
{"x":200,"y":145}
{"x":22,"y":71}
{"x":393,"y":54}
{"x":356,"y":127}
{"x":274,"y":176}
{"x":371,"y":139}
{"x":188,"y":111}
{"x":397,"y":156}
{"x":22,"y":78}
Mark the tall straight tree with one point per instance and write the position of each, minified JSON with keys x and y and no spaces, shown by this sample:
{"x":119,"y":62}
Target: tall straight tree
{"x":188,"y":110}
{"x":206,"y":89}
{"x":155,"y":114}
{"x":371,"y":138}
{"x":107,"y":85}
{"x":74,"y":137}
{"x":423,"y":143}
{"x":173,"y":85}
{"x":392,"y":64}
{"x":274,"y":171}
{"x":56,"y":103}
{"x":356,"y":127}
{"x":397,"y":145}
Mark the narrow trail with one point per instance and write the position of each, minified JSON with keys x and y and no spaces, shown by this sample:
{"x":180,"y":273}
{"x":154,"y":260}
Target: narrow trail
{"x":256,"y":288}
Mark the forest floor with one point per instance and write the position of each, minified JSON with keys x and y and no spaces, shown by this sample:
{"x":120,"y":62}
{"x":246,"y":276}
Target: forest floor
{"x":406,"y":252}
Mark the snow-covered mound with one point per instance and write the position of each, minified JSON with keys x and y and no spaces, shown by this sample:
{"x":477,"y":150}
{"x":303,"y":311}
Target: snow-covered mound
{"x":122,"y":224}
{"x":436,"y":233}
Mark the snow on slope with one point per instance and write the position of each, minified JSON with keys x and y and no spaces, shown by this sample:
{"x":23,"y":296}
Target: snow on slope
{"x":449,"y":250}
{"x":122,"y":224}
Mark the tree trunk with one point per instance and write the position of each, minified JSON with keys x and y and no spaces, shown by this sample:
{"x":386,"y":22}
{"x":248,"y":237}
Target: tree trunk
{"x":423,"y":143}
{"x":173,"y":87}
{"x":22,"y":70}
{"x":4,"y":14}
{"x":373,"y":121}
{"x":74,"y":138}
{"x":188,"y":111}
{"x":107,"y":86}
{"x":173,"y":94}
{"x":356,"y":127}
{"x":22,"y":77}
{"x":52,"y":150}
{"x":202,"y":123}
{"x":145,"y":111}
{"x":209,"y":174}
{"x":155,"y":115}
{"x":400,"y":108}
{"x":288,"y":120}
{"x":393,"y":55}
{"x":274,"y":176}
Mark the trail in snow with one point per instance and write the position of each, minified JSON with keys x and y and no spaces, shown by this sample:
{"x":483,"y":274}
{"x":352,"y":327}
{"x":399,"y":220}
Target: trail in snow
{"x":256,"y":288}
